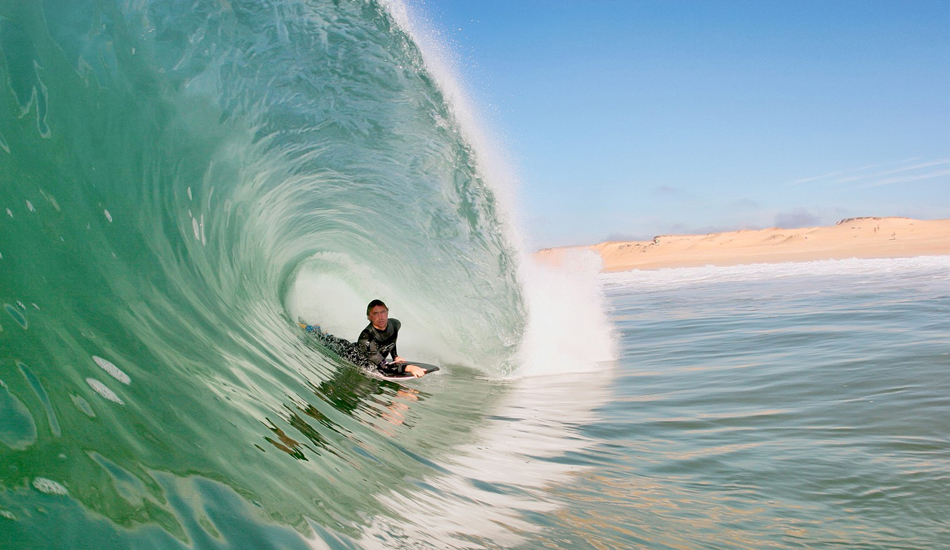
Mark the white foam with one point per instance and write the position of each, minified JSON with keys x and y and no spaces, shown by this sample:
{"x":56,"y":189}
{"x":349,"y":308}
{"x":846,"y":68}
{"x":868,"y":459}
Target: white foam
{"x":49,"y":486}
{"x":104,"y":391}
{"x":568,"y":329}
{"x":113,"y":370}
{"x":684,"y":276}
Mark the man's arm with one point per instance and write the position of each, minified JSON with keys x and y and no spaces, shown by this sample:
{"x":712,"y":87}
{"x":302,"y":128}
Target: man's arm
{"x":394,"y":355}
{"x":414,"y":370}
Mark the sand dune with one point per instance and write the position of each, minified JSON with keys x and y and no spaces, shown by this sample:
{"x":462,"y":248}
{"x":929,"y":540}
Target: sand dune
{"x":850,"y":238}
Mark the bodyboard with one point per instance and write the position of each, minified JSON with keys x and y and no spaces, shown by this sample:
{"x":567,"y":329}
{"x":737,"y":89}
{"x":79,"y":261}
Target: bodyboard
{"x":373,"y":372}
{"x":405,"y":375}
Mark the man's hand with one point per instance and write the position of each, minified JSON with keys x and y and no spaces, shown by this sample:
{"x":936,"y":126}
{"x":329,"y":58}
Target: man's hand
{"x":415,"y":370}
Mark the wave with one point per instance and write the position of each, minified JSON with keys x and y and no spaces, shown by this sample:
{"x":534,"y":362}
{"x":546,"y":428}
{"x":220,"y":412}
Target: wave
{"x":179,"y":182}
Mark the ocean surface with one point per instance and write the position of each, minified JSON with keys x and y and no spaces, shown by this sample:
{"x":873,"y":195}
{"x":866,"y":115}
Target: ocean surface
{"x":180,"y":182}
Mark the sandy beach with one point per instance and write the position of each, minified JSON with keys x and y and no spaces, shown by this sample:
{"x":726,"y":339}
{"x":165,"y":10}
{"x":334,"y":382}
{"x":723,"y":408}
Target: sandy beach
{"x":850,"y":238}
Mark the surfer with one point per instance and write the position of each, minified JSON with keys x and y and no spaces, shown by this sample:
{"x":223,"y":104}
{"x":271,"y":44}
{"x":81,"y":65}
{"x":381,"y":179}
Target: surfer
{"x":378,"y":340}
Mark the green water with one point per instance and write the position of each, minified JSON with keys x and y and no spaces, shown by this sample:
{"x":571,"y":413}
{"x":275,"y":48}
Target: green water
{"x":168,"y":175}
{"x":180,"y":181}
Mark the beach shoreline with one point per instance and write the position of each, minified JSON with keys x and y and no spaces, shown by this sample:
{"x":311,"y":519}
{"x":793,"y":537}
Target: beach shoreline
{"x":867,"y":237}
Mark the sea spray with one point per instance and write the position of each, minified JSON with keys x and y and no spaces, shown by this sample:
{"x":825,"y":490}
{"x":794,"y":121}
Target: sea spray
{"x":567,"y":329}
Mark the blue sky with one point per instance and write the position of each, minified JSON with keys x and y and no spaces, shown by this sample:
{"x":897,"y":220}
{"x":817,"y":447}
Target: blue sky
{"x":629,"y":119}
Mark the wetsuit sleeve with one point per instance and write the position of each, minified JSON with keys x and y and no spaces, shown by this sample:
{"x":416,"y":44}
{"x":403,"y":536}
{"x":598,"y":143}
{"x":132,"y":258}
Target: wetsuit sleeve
{"x":369,"y":349}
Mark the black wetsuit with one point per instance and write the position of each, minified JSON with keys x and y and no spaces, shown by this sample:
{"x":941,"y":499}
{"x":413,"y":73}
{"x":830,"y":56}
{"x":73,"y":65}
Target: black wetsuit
{"x":370,"y":350}
{"x":375,"y":344}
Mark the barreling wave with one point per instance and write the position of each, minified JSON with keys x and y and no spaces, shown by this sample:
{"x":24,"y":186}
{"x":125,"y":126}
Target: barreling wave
{"x":179,"y":181}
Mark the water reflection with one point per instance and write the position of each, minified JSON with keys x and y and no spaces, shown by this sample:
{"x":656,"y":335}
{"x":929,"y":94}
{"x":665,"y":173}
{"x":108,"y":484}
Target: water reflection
{"x":351,"y":392}
{"x":490,"y":491}
{"x":285,"y":443}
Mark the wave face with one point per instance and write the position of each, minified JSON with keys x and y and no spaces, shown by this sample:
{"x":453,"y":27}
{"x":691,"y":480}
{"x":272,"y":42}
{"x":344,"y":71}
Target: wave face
{"x":178,"y":182}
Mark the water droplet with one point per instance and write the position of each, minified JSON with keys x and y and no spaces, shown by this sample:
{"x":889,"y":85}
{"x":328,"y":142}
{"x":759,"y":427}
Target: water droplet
{"x":9,"y":212}
{"x":189,"y":193}
{"x":83,"y":405}
{"x":49,"y":486}
{"x":108,"y":215}
{"x":17,"y":316}
{"x":113,"y":370}
{"x":104,"y":391}
{"x":41,"y":394}
{"x":29,"y":206}
{"x":18,"y":430}
{"x":194,"y":225}
{"x":52,"y":200}
{"x":7,"y":514}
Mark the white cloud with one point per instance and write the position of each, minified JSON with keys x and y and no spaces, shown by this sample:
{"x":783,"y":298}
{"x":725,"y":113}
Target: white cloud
{"x":874,"y":174}
{"x":904,"y":179}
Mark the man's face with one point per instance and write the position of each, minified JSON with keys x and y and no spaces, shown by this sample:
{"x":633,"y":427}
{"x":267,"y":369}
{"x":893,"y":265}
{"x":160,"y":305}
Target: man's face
{"x":379,"y":316}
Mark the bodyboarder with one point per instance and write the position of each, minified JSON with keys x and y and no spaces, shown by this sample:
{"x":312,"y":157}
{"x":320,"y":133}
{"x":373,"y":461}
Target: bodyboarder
{"x":376,"y":342}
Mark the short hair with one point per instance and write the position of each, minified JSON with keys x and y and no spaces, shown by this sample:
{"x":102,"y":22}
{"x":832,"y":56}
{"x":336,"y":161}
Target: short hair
{"x":373,"y":304}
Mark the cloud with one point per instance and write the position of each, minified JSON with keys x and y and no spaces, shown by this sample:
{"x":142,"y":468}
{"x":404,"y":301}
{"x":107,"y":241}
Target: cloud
{"x":877,"y":176}
{"x":844,"y":172}
{"x":745,"y":204}
{"x":799,"y":217}
{"x":905,"y":179}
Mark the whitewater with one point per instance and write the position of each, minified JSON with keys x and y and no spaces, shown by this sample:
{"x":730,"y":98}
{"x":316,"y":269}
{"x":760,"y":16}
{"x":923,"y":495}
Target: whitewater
{"x":181,"y":182}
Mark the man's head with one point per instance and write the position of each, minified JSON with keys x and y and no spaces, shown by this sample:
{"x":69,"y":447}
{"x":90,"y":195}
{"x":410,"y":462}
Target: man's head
{"x":378,"y":314}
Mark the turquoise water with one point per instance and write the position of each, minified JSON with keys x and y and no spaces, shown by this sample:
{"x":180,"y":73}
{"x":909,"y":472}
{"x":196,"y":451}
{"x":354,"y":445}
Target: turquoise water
{"x":179,"y":182}
{"x":786,"y":406}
